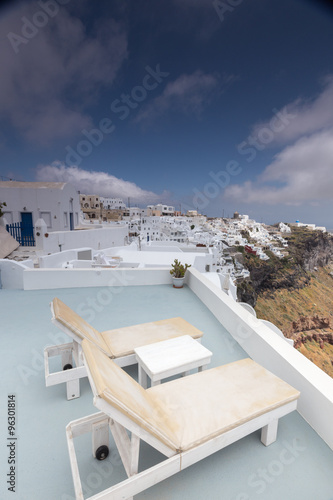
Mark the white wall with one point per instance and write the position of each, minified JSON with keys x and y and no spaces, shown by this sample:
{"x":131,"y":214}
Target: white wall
{"x":59,"y":258}
{"x":11,"y":273}
{"x":42,"y":279}
{"x":272,"y":352}
{"x":92,"y":238}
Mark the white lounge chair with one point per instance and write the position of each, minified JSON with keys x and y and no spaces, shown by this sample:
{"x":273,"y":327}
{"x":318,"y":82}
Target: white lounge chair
{"x":186,"y":419}
{"x":118,"y":344}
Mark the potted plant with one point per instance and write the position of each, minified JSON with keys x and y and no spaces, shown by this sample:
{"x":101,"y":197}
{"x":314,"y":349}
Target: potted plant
{"x":178,"y":272}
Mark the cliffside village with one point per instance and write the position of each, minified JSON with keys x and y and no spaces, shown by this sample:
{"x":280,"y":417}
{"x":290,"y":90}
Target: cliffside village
{"x":54,"y":225}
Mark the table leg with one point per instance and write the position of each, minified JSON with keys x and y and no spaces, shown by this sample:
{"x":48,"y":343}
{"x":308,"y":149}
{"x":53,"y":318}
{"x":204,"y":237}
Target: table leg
{"x":203,"y":367}
{"x":155,"y":382}
{"x":142,"y":377}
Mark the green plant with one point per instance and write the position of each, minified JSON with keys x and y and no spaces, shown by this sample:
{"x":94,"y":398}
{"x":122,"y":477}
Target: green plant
{"x":2,"y":204}
{"x":178,"y":270}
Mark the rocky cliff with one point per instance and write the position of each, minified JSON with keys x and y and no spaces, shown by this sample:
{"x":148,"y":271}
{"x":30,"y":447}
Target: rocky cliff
{"x":296,"y":293}
{"x":311,"y":249}
{"x":307,"y":251}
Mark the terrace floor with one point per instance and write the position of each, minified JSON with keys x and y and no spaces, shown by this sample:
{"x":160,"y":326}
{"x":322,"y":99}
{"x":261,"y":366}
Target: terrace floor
{"x":298,"y":465}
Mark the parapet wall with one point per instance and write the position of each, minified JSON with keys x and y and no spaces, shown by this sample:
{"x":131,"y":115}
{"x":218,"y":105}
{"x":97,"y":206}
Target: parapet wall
{"x":42,"y":279}
{"x":271,"y":351}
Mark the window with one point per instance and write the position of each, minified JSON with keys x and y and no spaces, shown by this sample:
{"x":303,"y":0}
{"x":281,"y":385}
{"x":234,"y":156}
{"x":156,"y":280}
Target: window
{"x":65,"y":219}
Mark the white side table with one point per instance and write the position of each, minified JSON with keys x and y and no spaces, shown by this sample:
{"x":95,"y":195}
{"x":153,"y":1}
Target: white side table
{"x":170,"y":357}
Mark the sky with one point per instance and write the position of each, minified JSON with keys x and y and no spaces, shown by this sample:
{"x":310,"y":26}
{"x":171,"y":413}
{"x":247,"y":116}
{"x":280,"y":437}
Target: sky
{"x":214,"y":105}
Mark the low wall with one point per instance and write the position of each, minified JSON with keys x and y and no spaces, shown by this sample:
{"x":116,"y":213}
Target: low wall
{"x":93,"y":238}
{"x":41,"y":279}
{"x":271,"y":351}
{"x":12,"y":273}
{"x":59,"y":258}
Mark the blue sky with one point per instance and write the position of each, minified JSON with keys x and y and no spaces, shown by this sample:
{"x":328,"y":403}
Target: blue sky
{"x":215,"y":105}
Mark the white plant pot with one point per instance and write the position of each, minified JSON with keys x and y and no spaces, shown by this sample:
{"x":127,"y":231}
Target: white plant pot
{"x":178,"y":282}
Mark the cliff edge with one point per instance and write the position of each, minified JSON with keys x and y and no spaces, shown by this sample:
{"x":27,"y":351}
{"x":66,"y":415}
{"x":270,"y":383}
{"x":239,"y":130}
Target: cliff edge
{"x":296,"y":293}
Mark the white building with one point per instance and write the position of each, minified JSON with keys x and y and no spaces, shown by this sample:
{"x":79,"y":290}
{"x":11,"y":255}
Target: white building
{"x":163,"y":209}
{"x":57,"y":203}
{"x":313,"y":227}
{"x":112,"y":203}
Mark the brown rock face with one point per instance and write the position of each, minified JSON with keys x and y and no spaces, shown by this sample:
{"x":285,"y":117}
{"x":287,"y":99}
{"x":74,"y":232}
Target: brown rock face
{"x":307,"y":328}
{"x":305,"y":323}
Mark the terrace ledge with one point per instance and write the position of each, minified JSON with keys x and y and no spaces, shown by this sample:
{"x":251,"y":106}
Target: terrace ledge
{"x":271,"y":351}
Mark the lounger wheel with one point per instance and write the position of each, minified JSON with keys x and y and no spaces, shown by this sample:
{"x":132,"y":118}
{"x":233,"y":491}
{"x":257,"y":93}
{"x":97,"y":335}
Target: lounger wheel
{"x":102,"y":452}
{"x":67,"y":367}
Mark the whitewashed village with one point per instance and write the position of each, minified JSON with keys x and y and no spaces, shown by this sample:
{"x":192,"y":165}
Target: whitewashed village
{"x":52,"y":225}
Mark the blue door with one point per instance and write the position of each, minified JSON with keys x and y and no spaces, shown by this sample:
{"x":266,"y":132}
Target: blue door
{"x":27,"y":230}
{"x":71,"y":221}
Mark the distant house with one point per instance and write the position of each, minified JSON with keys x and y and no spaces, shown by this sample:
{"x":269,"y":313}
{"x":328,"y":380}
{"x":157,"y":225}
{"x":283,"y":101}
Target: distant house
{"x":57,"y":203}
{"x":91,"y":206}
{"x":162,"y":209}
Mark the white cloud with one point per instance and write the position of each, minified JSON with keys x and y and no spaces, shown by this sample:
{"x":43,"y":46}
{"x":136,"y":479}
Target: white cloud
{"x":46,"y":86}
{"x":99,"y":183}
{"x":188,"y":94}
{"x":301,"y":173}
{"x":304,"y":116}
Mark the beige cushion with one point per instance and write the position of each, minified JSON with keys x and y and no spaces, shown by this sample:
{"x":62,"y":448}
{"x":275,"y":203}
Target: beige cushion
{"x":207,"y":404}
{"x":67,"y":317}
{"x":123,"y":341}
{"x":191,"y":410}
{"x":116,"y":387}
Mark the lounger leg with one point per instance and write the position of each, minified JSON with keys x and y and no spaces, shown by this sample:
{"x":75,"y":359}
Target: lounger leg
{"x":135,"y":449}
{"x":67,"y":358}
{"x":128,"y":448}
{"x":73,"y":389}
{"x":77,"y":353}
{"x":72,"y":386}
{"x":269,"y":432}
{"x":100,"y":435}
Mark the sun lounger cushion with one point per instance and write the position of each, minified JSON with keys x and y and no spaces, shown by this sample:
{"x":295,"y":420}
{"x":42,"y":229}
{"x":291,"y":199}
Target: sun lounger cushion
{"x":120,"y":390}
{"x":122,"y":341}
{"x":67,"y":317}
{"x":189,"y":411}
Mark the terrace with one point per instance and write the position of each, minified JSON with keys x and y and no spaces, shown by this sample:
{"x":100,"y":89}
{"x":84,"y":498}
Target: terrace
{"x":298,"y":465}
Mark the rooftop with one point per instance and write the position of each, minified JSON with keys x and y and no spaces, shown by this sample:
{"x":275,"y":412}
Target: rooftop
{"x":298,"y":465}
